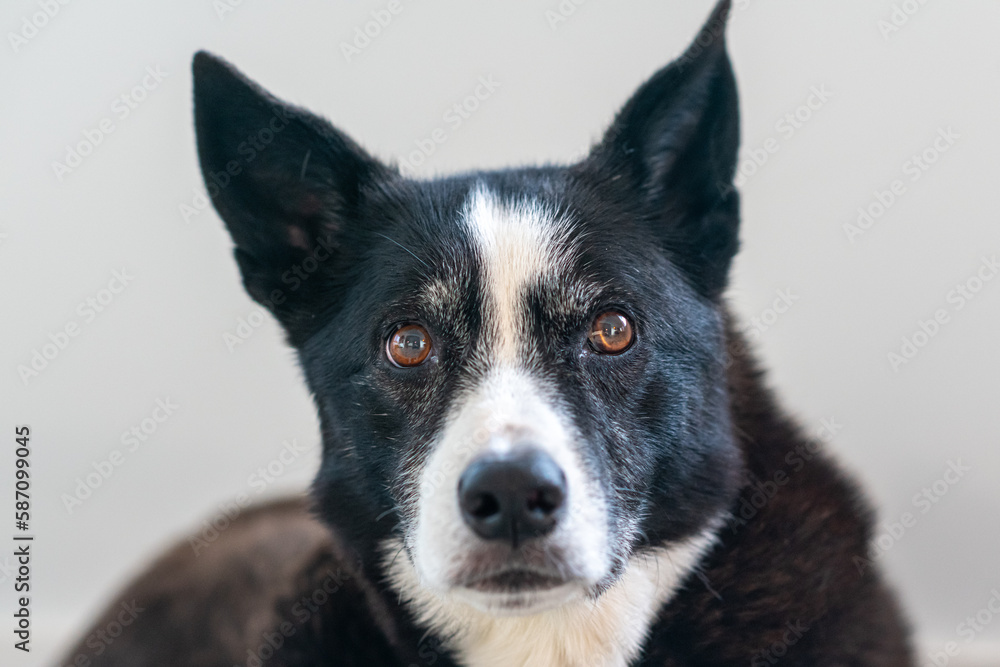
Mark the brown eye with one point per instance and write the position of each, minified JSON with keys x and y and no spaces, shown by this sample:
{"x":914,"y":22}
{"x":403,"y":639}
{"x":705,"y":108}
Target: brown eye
{"x":611,"y":333}
{"x":409,"y":346}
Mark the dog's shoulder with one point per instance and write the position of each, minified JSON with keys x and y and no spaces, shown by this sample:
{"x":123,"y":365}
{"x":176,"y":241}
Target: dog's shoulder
{"x":270,"y":586}
{"x":792,"y":574}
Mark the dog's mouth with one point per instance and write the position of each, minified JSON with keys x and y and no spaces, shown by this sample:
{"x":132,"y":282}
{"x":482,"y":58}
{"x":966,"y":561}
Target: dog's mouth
{"x":530,"y":579}
{"x":514,"y":581}
{"x":517,"y":591}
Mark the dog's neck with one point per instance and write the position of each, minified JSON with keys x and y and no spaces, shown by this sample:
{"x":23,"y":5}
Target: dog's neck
{"x":605,"y":632}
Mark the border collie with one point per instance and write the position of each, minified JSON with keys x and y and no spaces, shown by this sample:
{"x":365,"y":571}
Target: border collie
{"x":544,"y":440}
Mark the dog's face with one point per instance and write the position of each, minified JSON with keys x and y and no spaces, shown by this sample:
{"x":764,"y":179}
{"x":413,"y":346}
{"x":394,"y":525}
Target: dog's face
{"x":520,"y":374}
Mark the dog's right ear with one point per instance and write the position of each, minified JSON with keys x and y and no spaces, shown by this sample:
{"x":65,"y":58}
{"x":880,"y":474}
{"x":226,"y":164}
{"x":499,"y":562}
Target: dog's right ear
{"x":673,"y":147}
{"x":286,"y":183}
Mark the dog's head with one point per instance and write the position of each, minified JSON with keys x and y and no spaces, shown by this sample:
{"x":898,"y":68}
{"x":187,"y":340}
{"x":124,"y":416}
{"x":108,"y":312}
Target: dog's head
{"x":520,"y":374}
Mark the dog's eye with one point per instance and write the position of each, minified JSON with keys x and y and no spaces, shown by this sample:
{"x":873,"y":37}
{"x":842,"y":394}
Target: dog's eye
{"x":409,"y":346}
{"x":611,"y":333}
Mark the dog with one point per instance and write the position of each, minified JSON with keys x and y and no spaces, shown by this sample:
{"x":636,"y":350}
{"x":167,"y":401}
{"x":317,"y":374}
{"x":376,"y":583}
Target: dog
{"x":545,"y":441}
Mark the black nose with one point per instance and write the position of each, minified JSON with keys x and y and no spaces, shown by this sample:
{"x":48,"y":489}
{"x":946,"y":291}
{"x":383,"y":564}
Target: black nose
{"x":513,"y":496}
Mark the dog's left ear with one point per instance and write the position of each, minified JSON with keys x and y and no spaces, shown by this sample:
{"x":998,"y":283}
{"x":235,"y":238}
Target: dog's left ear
{"x":287,"y":184}
{"x":675,"y":143}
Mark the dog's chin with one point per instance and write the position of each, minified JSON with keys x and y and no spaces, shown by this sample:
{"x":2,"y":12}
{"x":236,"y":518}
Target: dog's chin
{"x":499,"y":599}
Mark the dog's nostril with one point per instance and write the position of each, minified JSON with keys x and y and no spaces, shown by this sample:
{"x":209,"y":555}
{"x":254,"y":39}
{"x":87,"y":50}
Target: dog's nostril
{"x":484,"y":506}
{"x":513,"y":496}
{"x":545,"y":501}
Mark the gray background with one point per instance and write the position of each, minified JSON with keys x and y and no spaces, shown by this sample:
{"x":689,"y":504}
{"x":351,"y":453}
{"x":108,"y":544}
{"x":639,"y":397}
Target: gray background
{"x":163,"y":335}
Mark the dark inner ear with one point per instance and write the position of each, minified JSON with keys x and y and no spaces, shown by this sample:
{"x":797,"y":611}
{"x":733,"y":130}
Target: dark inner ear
{"x":675,"y":142}
{"x":286,"y":183}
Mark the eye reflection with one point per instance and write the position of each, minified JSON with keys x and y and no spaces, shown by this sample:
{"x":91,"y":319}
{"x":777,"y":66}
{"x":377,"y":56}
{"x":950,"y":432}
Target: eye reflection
{"x":409,"y":346}
{"x":611,"y":333}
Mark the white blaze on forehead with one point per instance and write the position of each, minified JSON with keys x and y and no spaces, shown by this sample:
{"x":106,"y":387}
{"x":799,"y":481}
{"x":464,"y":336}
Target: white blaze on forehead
{"x":518,"y":245}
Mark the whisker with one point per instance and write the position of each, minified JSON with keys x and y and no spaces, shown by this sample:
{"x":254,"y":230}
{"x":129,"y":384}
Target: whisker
{"x":404,"y":248}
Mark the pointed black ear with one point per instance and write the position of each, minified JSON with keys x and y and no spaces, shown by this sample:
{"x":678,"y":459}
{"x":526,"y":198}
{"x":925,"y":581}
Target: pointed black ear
{"x":675,"y":145}
{"x":285,"y":181}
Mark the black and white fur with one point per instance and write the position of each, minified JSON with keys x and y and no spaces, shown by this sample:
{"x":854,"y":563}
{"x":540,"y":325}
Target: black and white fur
{"x":506,"y":270}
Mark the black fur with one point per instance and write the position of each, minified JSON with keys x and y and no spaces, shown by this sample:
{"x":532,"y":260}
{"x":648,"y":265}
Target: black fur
{"x":678,"y":429}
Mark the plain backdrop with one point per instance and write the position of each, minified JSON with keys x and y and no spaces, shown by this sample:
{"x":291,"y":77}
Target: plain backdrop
{"x":883,"y":85}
